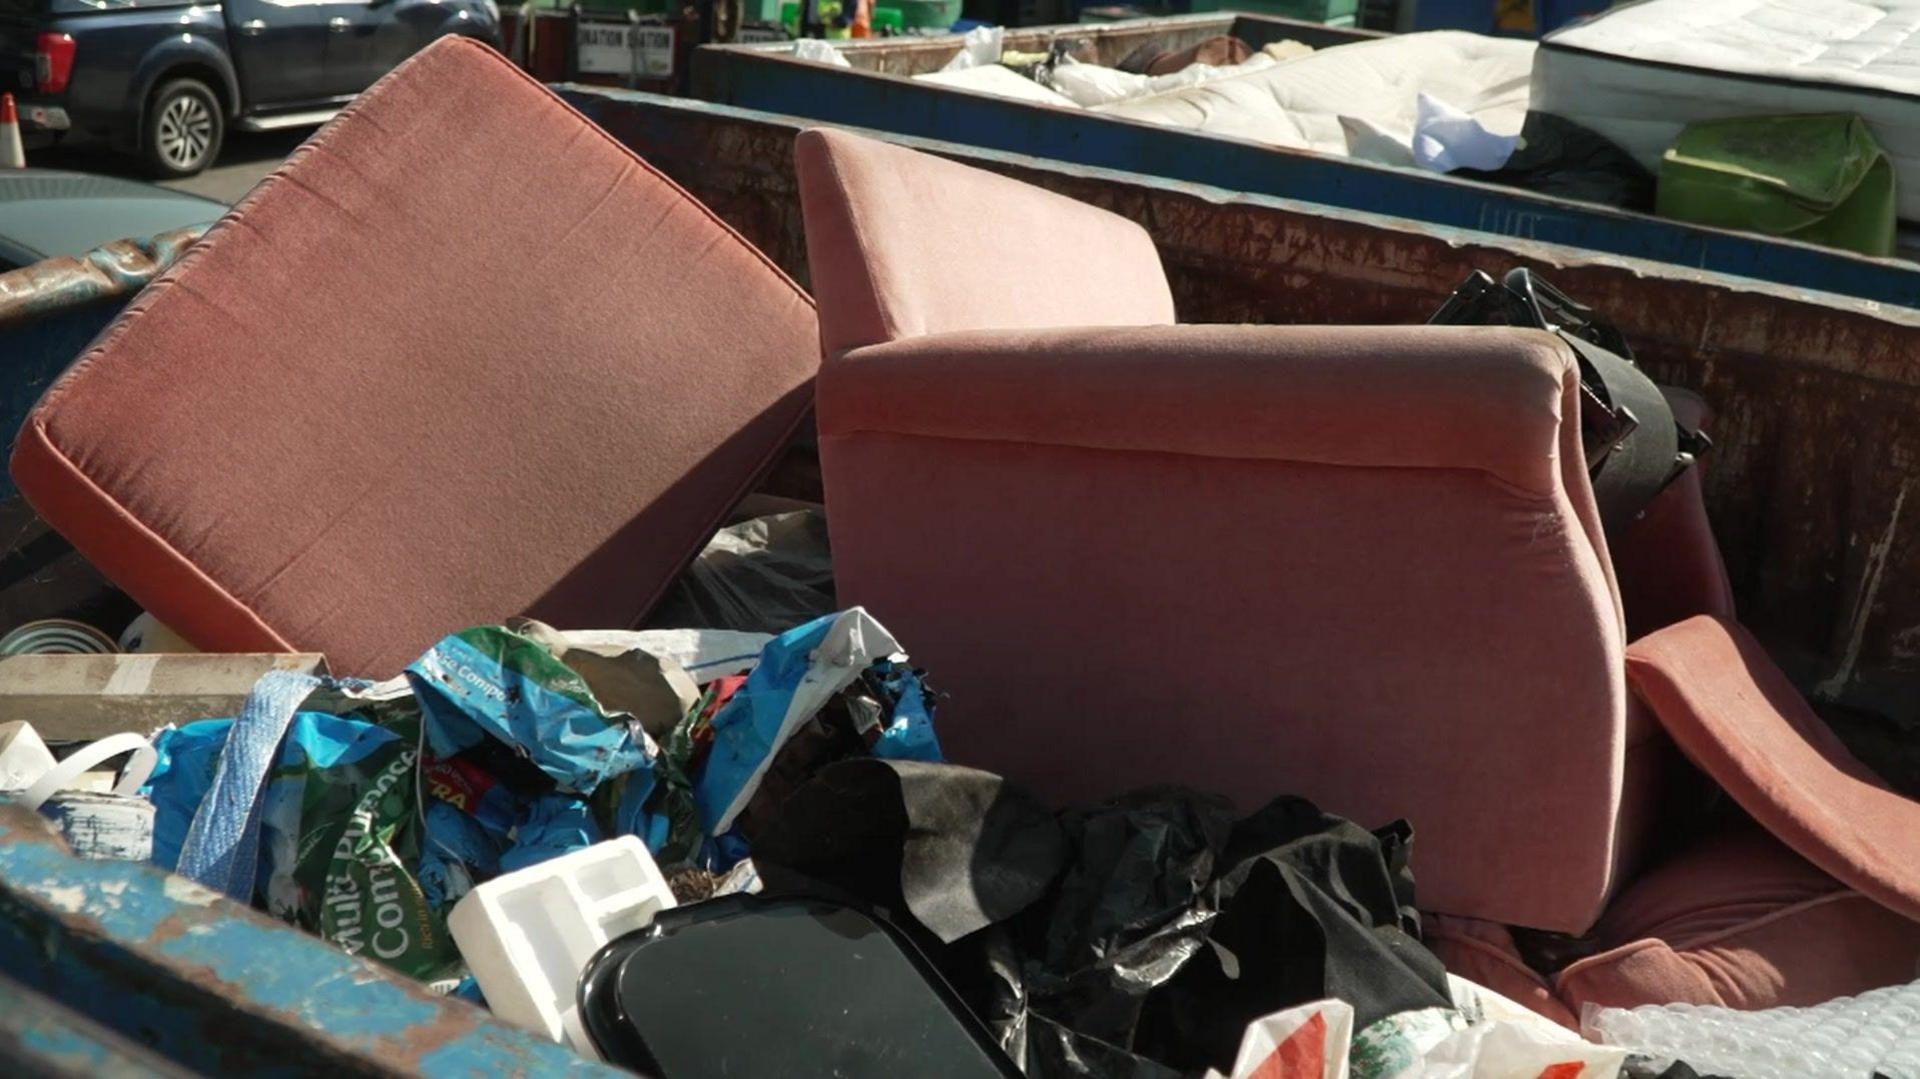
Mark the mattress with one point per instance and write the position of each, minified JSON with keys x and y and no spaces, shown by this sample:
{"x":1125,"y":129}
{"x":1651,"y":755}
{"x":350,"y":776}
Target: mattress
{"x":1639,"y":74}
{"x":1000,"y":82}
{"x":1359,"y":100}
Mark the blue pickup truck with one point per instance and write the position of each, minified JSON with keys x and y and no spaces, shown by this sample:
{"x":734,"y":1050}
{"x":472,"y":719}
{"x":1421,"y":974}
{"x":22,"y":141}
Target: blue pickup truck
{"x":165,"y":79}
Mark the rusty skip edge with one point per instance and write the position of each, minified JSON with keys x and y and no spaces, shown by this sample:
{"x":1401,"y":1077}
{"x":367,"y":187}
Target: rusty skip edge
{"x":42,"y":1037}
{"x":1816,"y":396}
{"x":120,"y":268}
{"x":671,"y":132}
{"x":178,"y":971}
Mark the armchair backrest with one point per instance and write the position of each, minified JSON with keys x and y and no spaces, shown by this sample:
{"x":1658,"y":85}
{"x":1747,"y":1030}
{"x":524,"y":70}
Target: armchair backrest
{"x":909,"y":244}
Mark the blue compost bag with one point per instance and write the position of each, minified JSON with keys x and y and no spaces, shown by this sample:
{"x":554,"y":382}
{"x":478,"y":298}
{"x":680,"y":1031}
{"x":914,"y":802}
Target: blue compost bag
{"x":799,"y":672}
{"x":909,"y":735}
{"x":189,"y":755}
{"x":554,"y":825}
{"x":491,"y":682}
{"x":339,"y":830}
{"x":487,"y":688}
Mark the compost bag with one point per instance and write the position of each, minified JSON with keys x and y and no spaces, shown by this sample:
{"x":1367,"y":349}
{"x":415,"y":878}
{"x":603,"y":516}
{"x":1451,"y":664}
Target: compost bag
{"x":518,"y":739}
{"x":1138,"y":937}
{"x":339,"y":830}
{"x":539,"y":741}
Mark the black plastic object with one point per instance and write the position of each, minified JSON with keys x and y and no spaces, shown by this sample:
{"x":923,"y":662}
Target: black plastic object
{"x":1134,"y":939}
{"x":1634,"y":446}
{"x":794,"y":986}
{"x":1560,"y":158}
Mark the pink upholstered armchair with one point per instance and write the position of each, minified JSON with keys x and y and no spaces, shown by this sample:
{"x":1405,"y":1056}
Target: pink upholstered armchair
{"x":1358,"y":564}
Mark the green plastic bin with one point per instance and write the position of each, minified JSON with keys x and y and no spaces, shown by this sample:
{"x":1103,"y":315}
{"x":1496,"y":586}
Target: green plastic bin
{"x":927,"y":14}
{"x":1818,"y":178}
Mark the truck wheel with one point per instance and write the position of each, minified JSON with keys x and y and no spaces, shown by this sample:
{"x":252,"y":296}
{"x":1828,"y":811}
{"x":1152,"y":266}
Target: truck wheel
{"x":183,"y":128}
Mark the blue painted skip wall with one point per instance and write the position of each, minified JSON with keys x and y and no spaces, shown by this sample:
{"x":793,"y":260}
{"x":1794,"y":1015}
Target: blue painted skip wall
{"x":735,"y":76}
{"x":217,"y":988}
{"x":35,"y":353}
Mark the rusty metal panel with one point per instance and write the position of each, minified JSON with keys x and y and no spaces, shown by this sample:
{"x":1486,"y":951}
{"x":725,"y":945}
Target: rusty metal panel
{"x":770,"y":78}
{"x":51,"y":309}
{"x":109,"y":272}
{"x":1817,"y":395}
{"x":217,"y":988}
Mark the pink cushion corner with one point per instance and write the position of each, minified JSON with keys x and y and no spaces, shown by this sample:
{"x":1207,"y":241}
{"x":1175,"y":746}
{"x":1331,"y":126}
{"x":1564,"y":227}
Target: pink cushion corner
{"x":1735,"y":715}
{"x":1485,"y":953}
{"x":393,"y":394}
{"x":888,"y":226}
{"x":1741,"y":922}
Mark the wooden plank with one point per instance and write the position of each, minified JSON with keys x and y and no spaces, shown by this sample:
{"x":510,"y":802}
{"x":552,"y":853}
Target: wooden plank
{"x":81,"y":698}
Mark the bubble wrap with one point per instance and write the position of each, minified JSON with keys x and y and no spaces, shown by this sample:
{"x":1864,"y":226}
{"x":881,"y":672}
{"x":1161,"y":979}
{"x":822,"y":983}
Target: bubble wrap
{"x":1875,"y":1034}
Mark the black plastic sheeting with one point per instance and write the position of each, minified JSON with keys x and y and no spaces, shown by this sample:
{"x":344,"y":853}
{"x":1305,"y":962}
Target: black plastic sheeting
{"x":1559,"y":157}
{"x":1136,"y":938}
{"x":763,"y":575}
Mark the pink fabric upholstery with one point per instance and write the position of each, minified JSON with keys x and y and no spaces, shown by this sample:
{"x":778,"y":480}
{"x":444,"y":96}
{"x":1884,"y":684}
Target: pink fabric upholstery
{"x":1362,"y":565}
{"x":893,"y":235}
{"x":1736,"y":716}
{"x":1668,"y":563}
{"x":1485,"y":954}
{"x":463,"y":357}
{"x":1181,"y":555}
{"x":1742,"y":922}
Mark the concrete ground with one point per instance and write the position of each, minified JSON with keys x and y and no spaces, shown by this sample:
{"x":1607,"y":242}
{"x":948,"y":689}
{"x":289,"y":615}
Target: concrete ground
{"x":244,"y":161}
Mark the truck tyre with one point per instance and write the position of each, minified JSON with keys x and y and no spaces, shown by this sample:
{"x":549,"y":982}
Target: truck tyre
{"x":182,"y":129}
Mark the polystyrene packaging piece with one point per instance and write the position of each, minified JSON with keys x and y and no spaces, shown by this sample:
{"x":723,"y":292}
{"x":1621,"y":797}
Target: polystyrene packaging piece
{"x":527,"y":935}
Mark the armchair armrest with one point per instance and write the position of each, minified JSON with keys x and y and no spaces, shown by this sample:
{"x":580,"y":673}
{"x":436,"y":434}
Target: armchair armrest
{"x":1488,"y":399}
{"x":1733,"y":713}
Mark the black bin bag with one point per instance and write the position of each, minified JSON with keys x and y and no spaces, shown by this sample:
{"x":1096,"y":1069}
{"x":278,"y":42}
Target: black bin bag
{"x":794,"y":986}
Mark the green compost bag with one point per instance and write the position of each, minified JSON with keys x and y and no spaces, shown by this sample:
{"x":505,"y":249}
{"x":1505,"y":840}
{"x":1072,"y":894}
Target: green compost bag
{"x":358,"y":837}
{"x":339,"y":829}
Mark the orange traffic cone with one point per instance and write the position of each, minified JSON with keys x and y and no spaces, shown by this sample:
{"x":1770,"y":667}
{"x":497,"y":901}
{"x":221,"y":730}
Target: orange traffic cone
{"x":13,"y":155}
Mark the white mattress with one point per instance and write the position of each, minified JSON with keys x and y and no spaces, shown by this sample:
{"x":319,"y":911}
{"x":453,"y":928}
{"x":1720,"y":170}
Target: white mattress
{"x":1000,"y":82}
{"x":1358,"y":100}
{"x":1639,"y":74}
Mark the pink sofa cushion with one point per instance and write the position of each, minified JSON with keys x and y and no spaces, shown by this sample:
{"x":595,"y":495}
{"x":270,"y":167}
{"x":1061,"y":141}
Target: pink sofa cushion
{"x":1742,"y":922}
{"x":1485,"y":954}
{"x":463,"y":357}
{"x":1733,"y":713}
{"x":1258,"y":561}
{"x":901,"y":244}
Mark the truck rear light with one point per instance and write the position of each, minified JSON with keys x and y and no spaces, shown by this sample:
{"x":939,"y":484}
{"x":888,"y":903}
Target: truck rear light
{"x":53,"y":62}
